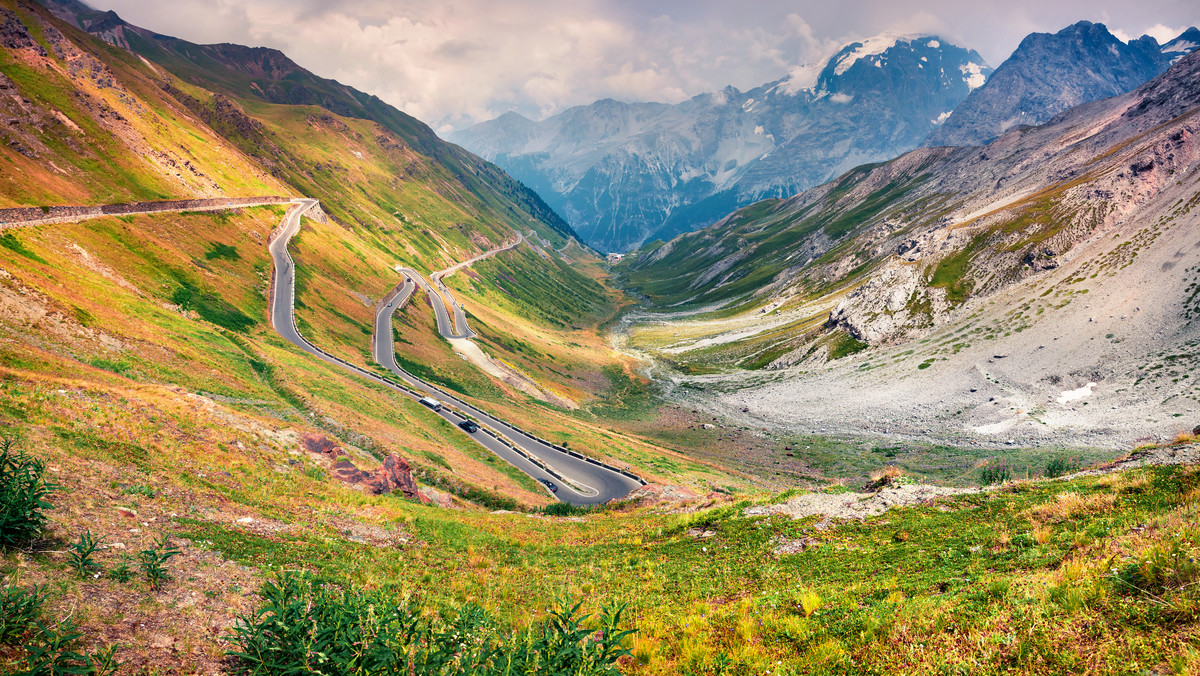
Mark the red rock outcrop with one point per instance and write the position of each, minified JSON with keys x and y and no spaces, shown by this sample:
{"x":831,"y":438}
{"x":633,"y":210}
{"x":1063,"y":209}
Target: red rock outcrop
{"x":394,"y":476}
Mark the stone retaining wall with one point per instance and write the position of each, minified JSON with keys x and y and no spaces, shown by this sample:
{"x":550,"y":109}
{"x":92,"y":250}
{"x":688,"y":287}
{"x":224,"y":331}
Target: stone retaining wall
{"x":26,"y":216}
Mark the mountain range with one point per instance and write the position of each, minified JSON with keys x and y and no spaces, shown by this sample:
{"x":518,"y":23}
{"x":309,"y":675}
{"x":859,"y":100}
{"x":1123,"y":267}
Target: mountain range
{"x":960,"y":291}
{"x":185,"y":489}
{"x":1049,"y":73}
{"x":627,"y":173}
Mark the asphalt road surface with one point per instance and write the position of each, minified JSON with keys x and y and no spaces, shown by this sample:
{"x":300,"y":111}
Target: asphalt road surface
{"x":587,"y":482}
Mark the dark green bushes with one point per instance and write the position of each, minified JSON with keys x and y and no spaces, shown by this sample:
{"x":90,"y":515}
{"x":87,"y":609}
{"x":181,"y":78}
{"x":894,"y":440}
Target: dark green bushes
{"x":307,"y":626}
{"x":1060,"y":467}
{"x":995,"y":472}
{"x":49,"y":649}
{"x":23,"y":492}
{"x":567,"y":509}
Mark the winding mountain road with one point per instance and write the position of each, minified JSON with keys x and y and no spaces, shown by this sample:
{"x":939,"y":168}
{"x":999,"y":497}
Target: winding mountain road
{"x":580,"y":480}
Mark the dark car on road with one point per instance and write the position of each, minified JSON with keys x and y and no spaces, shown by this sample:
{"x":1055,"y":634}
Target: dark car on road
{"x":469,"y":426}
{"x":549,"y":484}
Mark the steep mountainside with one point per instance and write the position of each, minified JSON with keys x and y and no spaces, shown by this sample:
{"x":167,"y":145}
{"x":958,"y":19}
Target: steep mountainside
{"x":1068,"y":247}
{"x":1048,"y":74}
{"x":624,"y":173}
{"x":179,"y":300}
{"x":267,"y":75}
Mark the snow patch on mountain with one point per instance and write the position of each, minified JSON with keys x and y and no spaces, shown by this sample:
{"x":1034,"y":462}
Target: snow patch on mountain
{"x":802,"y":78}
{"x":973,"y":73}
{"x":871,"y":47}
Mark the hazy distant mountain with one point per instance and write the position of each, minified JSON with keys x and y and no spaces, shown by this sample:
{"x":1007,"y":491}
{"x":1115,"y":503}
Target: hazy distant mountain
{"x":624,"y":173}
{"x":1048,"y":74}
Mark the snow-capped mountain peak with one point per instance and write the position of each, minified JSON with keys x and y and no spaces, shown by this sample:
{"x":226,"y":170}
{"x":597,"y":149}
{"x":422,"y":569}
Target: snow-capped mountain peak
{"x":623,"y":173}
{"x":850,"y":54}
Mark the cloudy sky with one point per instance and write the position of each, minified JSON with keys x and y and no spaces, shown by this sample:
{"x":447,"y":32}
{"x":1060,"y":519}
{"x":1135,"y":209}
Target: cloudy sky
{"x":455,"y":62}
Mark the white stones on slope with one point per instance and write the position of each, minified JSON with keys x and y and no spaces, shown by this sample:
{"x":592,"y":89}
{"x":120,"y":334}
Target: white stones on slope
{"x":1073,"y":395}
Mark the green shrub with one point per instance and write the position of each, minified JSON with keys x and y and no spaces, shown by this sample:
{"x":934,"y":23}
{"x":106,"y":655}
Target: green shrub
{"x":23,"y":492}
{"x":312,"y":627}
{"x":995,"y":472}
{"x":52,"y":654}
{"x":1060,"y":467}
{"x":79,"y":556}
{"x":154,"y":563}
{"x":566,"y":509}
{"x":19,"y":610}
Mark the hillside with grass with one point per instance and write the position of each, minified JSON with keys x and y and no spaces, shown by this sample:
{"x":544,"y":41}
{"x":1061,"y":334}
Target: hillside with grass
{"x":187,"y":550}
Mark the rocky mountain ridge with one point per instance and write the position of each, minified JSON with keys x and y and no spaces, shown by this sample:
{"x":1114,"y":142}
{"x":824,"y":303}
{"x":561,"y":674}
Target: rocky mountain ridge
{"x":625,"y":173}
{"x":1049,"y":73}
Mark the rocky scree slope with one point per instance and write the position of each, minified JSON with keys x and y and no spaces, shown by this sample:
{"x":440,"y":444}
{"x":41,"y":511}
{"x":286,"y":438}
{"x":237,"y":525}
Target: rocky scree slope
{"x":625,"y":173}
{"x":1049,"y":73}
{"x":980,"y":290}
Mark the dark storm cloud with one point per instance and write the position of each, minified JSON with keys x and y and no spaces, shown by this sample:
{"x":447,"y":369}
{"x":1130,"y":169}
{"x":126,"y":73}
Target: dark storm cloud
{"x":453,"y":62}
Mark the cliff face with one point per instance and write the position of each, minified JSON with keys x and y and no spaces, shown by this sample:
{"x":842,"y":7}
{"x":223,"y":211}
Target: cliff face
{"x":1049,"y":73}
{"x":626,"y":173}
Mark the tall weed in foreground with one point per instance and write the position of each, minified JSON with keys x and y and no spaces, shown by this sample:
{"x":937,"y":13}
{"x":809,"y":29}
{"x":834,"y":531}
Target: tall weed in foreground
{"x":154,"y":562}
{"x":19,"y":611}
{"x":306,"y":626}
{"x":23,"y":492}
{"x":79,"y":554}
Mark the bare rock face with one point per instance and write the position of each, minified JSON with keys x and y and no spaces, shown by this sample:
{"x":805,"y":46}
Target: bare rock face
{"x":315,"y":443}
{"x":394,"y":476}
{"x":1048,"y":74}
{"x":891,"y":304}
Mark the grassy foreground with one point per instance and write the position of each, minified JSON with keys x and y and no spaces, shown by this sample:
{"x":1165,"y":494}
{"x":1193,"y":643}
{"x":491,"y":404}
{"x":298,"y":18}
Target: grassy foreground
{"x":1089,"y":575}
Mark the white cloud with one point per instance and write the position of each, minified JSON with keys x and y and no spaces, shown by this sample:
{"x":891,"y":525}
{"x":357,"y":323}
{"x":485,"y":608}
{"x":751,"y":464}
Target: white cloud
{"x":454,"y":62}
{"x":1164,"y":34}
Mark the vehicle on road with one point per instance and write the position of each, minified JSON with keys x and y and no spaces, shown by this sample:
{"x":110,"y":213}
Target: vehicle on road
{"x":469,"y":426}
{"x":432,"y":403}
{"x":549,"y":484}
